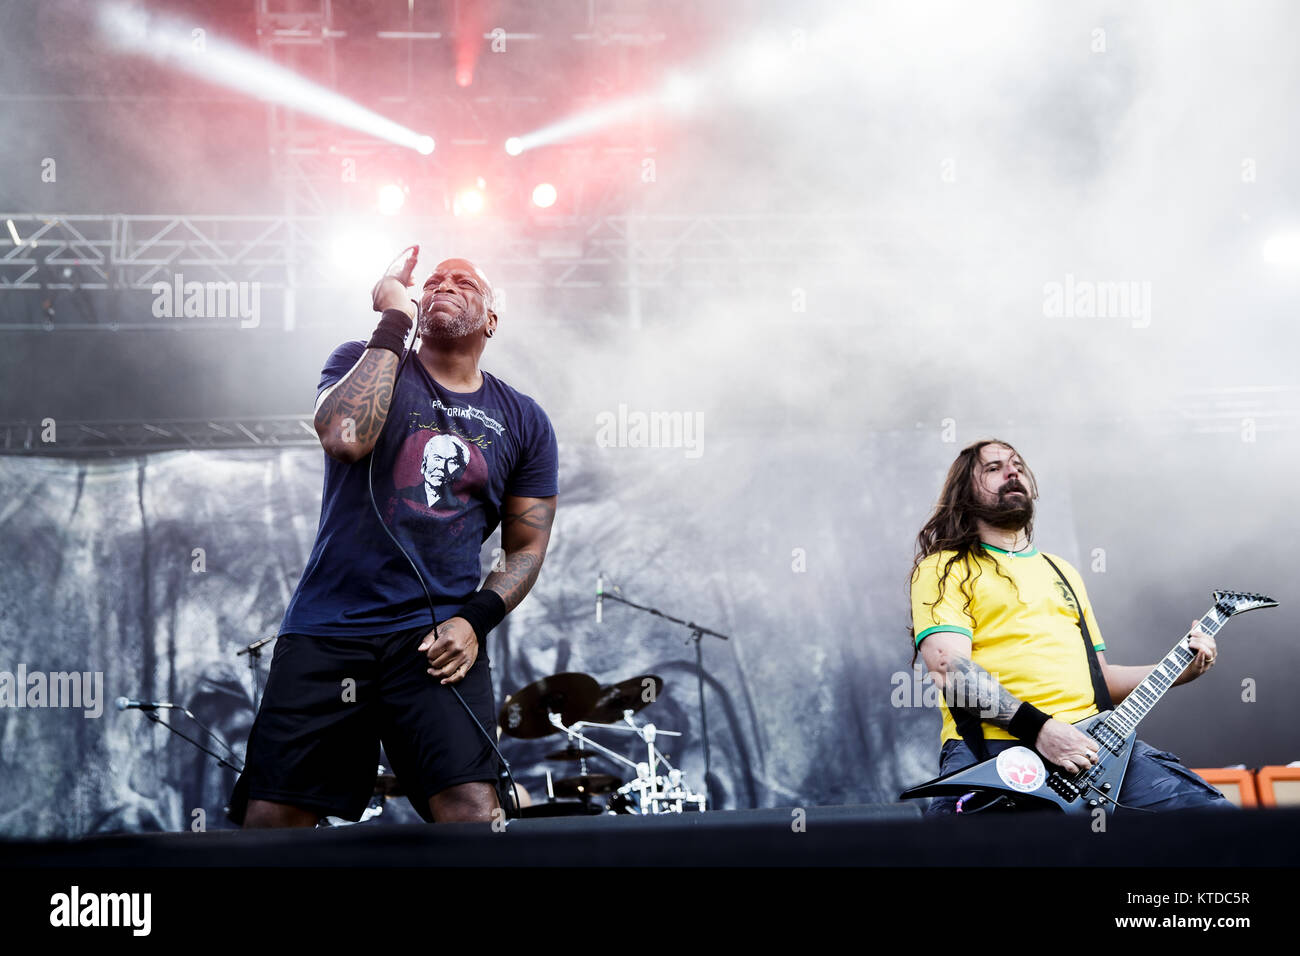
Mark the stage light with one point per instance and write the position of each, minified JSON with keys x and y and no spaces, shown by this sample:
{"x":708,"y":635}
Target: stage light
{"x":544,"y":195}
{"x":468,"y":202}
{"x":13,"y":232}
{"x":1282,"y":250}
{"x":464,"y":76}
{"x":171,"y":43}
{"x":391,"y":198}
{"x":514,"y":146}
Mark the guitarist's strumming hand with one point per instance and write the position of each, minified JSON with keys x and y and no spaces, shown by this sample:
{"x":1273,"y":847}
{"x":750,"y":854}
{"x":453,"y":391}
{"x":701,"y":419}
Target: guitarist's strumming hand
{"x":1063,"y":745}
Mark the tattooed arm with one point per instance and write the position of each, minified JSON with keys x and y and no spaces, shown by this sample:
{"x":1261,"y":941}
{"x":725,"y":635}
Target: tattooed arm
{"x":964,"y":684}
{"x":967,"y":686}
{"x":525,"y":533}
{"x":351,"y":412}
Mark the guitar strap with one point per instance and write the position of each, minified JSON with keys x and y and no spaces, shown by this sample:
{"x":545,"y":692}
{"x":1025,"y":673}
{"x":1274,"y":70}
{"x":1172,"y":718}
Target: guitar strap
{"x":1100,"y":694}
{"x":968,"y":724}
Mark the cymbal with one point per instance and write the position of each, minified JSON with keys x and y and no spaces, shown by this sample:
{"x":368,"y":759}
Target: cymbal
{"x":635,"y":693}
{"x":571,"y":695}
{"x":572,"y":753}
{"x":586,"y":786}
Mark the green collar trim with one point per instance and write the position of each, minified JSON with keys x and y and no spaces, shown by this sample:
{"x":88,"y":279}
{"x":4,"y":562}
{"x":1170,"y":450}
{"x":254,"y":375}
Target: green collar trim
{"x":1033,"y":550}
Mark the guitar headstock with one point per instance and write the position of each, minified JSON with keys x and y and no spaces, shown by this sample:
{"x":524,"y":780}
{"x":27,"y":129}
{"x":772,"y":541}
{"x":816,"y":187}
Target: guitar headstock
{"x":1238,"y":602}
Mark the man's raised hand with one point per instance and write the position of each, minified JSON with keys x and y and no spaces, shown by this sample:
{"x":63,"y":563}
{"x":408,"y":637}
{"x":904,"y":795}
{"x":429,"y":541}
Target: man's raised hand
{"x":390,"y":291}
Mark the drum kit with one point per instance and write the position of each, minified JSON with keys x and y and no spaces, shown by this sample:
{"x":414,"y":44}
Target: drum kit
{"x":575,"y":705}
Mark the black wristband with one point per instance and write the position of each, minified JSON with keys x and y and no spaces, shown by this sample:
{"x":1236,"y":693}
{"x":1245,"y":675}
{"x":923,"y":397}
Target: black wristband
{"x":484,"y":611}
{"x":1027,"y":721}
{"x":394,"y":326}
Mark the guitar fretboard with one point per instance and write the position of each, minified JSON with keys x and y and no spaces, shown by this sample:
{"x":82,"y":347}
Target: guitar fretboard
{"x":1124,"y":719}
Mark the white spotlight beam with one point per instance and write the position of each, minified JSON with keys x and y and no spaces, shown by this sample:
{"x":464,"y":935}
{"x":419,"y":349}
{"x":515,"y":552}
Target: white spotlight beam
{"x":231,"y":66}
{"x":757,"y":68}
{"x":579,"y":124}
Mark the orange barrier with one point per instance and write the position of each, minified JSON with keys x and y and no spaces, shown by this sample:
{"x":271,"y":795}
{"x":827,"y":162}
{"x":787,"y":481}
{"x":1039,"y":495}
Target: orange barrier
{"x":1278,"y":786}
{"x":1237,"y":785}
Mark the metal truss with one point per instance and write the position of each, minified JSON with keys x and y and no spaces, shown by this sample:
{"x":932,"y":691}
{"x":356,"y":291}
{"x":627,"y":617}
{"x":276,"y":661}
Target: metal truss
{"x":280,"y":252}
{"x":1237,"y":413}
{"x":109,"y":439}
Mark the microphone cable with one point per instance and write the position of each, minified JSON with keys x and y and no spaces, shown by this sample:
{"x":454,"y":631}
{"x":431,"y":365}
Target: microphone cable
{"x":370,"y":482}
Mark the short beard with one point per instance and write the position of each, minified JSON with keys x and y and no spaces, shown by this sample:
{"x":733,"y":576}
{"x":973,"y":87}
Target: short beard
{"x":1007,"y":515}
{"x":444,"y":329}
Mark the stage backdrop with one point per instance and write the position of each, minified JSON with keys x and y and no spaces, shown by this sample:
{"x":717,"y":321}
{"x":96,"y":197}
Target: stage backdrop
{"x":152,"y":572}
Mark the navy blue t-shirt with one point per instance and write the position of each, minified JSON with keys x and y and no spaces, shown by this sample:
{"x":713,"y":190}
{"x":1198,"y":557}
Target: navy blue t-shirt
{"x":443,"y":464}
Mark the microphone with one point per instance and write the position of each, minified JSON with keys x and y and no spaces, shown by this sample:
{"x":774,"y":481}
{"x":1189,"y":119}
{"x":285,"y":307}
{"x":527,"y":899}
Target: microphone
{"x":600,"y":594}
{"x":126,"y":703}
{"x":403,"y":274}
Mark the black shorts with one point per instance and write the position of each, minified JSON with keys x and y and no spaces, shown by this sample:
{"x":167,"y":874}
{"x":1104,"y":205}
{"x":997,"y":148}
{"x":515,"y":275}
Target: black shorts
{"x":330,"y":701}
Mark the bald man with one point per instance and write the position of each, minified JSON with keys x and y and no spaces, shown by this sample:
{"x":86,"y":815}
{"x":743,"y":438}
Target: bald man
{"x":456,"y":452}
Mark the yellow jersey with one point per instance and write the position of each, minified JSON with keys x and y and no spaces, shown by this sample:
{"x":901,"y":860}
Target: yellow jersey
{"x":1023,"y":631}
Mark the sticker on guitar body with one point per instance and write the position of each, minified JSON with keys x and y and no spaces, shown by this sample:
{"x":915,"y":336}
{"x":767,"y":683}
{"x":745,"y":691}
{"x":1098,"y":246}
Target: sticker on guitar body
{"x":1021,"y":769}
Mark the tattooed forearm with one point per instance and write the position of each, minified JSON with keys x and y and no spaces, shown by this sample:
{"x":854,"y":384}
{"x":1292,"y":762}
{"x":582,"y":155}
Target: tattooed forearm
{"x":969,"y":687}
{"x":351,"y":416}
{"x":514,"y":581}
{"x":537,"y":516}
{"x":525,"y":534}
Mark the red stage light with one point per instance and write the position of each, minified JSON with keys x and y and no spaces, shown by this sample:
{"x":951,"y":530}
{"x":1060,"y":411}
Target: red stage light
{"x":468,"y":202}
{"x":391,"y":198}
{"x":544,"y":195}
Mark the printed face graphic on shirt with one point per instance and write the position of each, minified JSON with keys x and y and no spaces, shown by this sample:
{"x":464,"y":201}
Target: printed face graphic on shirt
{"x":437,"y":472}
{"x":445,"y":457}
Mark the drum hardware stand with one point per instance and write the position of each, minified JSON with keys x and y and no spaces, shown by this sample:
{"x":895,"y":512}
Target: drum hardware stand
{"x":697,"y":633}
{"x":656,"y":793}
{"x":575,"y":733}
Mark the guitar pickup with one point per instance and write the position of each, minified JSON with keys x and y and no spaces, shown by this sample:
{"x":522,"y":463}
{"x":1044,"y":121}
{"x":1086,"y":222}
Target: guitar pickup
{"x":1063,"y":787}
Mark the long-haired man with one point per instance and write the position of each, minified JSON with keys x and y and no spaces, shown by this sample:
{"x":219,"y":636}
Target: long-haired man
{"x":1005,"y":629}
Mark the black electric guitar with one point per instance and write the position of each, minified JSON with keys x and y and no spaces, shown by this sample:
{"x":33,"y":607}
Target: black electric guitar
{"x":1020,"y":774}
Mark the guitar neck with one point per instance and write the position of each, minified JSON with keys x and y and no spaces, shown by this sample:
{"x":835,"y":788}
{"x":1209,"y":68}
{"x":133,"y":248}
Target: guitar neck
{"x":1124,"y":719}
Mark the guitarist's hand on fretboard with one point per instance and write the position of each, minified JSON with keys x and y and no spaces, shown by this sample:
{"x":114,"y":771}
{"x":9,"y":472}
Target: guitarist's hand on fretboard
{"x":1206,"y":652}
{"x":1063,"y":745}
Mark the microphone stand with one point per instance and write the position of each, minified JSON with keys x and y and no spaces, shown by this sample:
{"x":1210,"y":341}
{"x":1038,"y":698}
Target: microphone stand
{"x":697,"y":632}
{"x":254,"y":652}
{"x":150,"y":713}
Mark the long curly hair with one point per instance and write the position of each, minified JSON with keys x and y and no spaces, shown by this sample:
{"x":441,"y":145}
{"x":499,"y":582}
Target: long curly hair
{"x":953,"y":526}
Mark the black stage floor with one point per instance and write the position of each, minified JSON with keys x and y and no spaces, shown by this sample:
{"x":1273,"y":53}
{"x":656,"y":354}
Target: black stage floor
{"x":872,"y":836}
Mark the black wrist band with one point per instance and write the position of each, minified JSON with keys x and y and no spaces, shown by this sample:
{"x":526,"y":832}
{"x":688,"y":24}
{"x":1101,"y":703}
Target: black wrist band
{"x":484,"y":611}
{"x":394,"y":326}
{"x":1027,"y":721}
